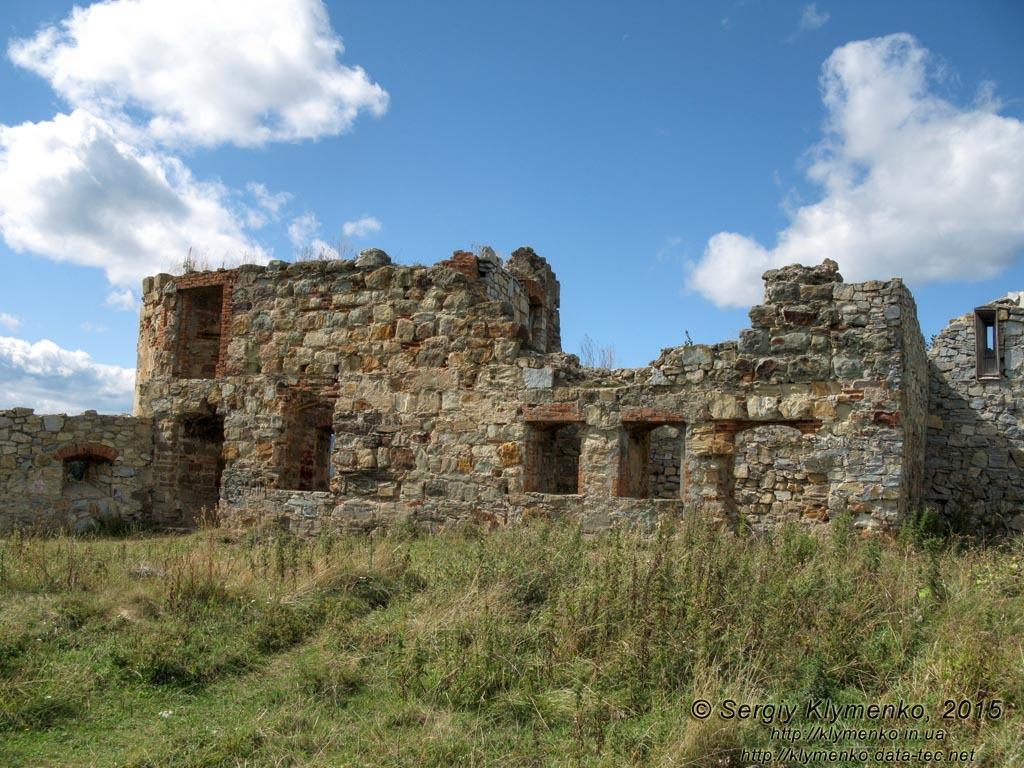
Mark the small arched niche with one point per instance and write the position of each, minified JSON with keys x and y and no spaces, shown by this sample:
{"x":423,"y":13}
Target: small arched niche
{"x":86,"y":470}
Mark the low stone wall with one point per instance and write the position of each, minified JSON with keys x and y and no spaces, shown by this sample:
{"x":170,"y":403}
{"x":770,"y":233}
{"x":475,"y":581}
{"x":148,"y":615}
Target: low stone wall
{"x":73,"y":472}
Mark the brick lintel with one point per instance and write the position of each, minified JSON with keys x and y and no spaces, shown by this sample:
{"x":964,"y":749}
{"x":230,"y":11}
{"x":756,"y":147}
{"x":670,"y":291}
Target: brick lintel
{"x":554,"y":413}
{"x":635,"y":415}
{"x":85,"y":451}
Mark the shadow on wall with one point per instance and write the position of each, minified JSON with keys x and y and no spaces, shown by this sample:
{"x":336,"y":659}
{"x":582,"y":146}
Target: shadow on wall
{"x":974,"y":468}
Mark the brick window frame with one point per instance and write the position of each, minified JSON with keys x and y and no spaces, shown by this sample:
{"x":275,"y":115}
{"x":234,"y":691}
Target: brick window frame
{"x":188,"y":287}
{"x":554,"y":440}
{"x":634,"y":470}
{"x":86,"y":467}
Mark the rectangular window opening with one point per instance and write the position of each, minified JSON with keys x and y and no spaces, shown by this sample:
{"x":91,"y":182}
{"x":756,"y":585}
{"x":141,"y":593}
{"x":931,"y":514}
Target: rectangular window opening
{"x":651,"y":465}
{"x":986,"y":341}
{"x":309,"y":446}
{"x":199,"y":334}
{"x":553,"y":458}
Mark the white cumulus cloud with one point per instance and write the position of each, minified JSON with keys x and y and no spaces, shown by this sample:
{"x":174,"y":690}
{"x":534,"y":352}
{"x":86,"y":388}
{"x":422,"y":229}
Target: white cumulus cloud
{"x":811,"y":18}
{"x":51,"y":379}
{"x":361,"y":227}
{"x":303,"y":233}
{"x":232,"y":71}
{"x":9,"y":321}
{"x":320,"y":249}
{"x":912,"y":185}
{"x":123,"y":300}
{"x":303,"y":229}
{"x":268,"y":205}
{"x":72,"y":190}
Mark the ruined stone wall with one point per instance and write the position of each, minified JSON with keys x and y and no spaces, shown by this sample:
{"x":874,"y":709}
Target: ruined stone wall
{"x":73,"y":472}
{"x":355,"y":394}
{"x":817,"y":410}
{"x":913,"y":387}
{"x":394,"y":384}
{"x":975,"y":455}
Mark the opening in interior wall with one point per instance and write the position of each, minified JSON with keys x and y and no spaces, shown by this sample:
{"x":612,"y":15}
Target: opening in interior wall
{"x":986,"y":343}
{"x":201,"y":453}
{"x":309,"y":445}
{"x":553,"y":458}
{"x":199,"y":334}
{"x":652,"y":461}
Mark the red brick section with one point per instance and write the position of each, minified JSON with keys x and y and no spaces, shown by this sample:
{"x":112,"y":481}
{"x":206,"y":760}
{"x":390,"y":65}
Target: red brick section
{"x":206,"y":279}
{"x":464,"y":262}
{"x":531,"y":479}
{"x":224,"y":277}
{"x":886,"y":418}
{"x":533,"y":291}
{"x":554,"y":413}
{"x":85,"y":451}
{"x":616,"y":473}
{"x":225,"y":329}
{"x":633,"y":415}
{"x":180,"y":363}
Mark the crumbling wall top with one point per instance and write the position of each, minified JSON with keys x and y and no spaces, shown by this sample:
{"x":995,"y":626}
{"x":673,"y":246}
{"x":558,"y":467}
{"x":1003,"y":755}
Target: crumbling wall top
{"x":826,"y":272}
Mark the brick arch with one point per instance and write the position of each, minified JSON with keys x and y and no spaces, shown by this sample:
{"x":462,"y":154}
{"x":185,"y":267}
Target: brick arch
{"x":84,"y":451}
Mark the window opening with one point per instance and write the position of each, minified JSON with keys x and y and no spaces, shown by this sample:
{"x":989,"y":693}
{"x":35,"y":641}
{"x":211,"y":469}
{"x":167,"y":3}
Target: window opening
{"x":309,"y":446}
{"x":652,"y":461}
{"x":553,"y":458}
{"x":199,"y":335}
{"x":201,"y":452}
{"x":986,"y":340}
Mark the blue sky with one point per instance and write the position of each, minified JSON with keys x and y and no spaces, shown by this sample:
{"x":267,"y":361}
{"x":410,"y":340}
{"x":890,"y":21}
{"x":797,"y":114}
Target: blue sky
{"x":661,"y":155}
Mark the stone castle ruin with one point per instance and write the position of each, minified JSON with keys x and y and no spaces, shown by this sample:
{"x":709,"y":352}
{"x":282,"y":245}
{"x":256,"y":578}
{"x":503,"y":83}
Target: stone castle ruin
{"x":351,"y":395}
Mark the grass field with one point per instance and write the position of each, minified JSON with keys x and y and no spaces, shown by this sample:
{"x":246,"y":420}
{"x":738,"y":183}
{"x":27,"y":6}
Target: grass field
{"x":533,"y":646}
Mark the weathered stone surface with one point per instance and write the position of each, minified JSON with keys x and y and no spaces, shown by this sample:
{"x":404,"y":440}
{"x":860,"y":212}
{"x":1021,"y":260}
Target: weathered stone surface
{"x":372,"y":257}
{"x":53,"y":423}
{"x":352,"y":395}
{"x":975,"y":450}
{"x":538,"y":378}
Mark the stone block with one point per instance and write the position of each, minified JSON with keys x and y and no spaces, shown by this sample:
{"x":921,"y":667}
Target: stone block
{"x":371,"y":258}
{"x":53,"y":423}
{"x":538,"y":378}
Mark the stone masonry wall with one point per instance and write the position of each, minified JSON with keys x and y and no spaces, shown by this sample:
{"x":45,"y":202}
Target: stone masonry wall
{"x":804,"y":418}
{"x":73,"y":472}
{"x":975,"y":465}
{"x":355,"y":394}
{"x":396,"y":384}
